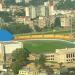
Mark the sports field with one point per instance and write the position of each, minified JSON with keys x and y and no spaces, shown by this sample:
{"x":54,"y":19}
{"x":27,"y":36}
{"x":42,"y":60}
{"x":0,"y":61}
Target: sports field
{"x":42,"y":46}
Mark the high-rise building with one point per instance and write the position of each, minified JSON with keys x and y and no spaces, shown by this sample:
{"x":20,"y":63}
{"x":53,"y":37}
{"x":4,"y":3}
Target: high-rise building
{"x":32,"y":12}
{"x":51,"y":8}
{"x":42,"y":10}
{"x":27,"y":11}
{"x":1,"y":5}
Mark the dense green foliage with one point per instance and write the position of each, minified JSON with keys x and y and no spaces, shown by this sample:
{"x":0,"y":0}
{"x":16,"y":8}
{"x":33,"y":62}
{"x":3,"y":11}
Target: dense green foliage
{"x":17,"y":28}
{"x":67,"y":4}
{"x":57,"y":22}
{"x":42,"y":66}
{"x":6,"y":16}
{"x":19,"y":57}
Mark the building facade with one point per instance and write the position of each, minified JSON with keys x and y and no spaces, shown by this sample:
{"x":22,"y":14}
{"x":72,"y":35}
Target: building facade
{"x":5,"y":51}
{"x":27,"y":71}
{"x":66,"y":55}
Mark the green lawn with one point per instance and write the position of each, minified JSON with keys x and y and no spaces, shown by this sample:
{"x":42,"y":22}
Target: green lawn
{"x":40,"y":46}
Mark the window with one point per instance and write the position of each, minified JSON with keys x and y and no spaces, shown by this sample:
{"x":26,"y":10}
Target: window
{"x":69,"y":55}
{"x":73,"y":54}
{"x":66,"y":55}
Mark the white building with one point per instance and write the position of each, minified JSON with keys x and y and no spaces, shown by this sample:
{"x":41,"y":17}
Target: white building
{"x":42,"y":10}
{"x":1,"y":8}
{"x":18,"y":1}
{"x":27,"y":71}
{"x":32,"y":12}
{"x":8,"y":48}
{"x":66,"y":55}
{"x":27,"y":11}
{"x":11,"y":46}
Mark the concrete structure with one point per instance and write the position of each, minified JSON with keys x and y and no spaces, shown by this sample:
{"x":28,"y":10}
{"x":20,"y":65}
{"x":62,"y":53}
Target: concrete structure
{"x":27,"y":71}
{"x":18,"y":1}
{"x":66,"y":55}
{"x":51,"y":6}
{"x":65,"y":21}
{"x":42,"y":10}
{"x":27,"y":13}
{"x":32,"y":12}
{"x":1,"y":5}
{"x":11,"y":46}
{"x":6,"y":49}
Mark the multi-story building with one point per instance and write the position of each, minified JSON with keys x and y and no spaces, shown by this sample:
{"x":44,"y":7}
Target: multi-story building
{"x":18,"y":1}
{"x":32,"y":12}
{"x":27,"y":11}
{"x":27,"y":71}
{"x":41,"y":10}
{"x":65,"y":21}
{"x":66,"y":55}
{"x":1,"y":5}
{"x":51,"y":6}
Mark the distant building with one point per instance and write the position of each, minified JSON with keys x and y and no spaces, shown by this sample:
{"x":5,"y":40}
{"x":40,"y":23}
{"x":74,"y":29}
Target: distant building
{"x":27,"y":13}
{"x":66,"y":55}
{"x":65,"y":21}
{"x":18,"y":1}
{"x":1,"y":5}
{"x":5,"y":51}
{"x":41,"y":10}
{"x":27,"y":71}
{"x":41,"y":22}
{"x":32,"y":12}
{"x":51,"y":6}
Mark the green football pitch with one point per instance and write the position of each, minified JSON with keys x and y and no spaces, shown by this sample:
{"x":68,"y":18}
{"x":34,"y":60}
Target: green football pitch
{"x":42,"y":46}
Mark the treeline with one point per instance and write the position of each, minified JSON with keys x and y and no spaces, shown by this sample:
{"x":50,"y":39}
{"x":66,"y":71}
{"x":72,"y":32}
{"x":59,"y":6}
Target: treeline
{"x":17,"y":28}
{"x":32,"y":2}
{"x":67,"y":4}
{"x":20,"y":28}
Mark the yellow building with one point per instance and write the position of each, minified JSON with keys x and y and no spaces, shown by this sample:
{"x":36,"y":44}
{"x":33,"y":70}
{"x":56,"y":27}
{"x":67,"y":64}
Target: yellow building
{"x":27,"y":71}
{"x":66,"y":55}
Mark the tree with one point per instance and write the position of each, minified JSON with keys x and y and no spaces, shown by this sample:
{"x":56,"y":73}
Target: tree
{"x":42,"y":61}
{"x":37,"y":28}
{"x":18,"y":28}
{"x":41,"y":64}
{"x":15,"y":67}
{"x":19,"y":57}
{"x":66,"y":4}
{"x":49,"y":70}
{"x":57,"y":22}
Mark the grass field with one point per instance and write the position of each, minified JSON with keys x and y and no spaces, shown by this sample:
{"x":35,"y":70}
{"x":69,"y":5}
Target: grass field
{"x":41,"y":46}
